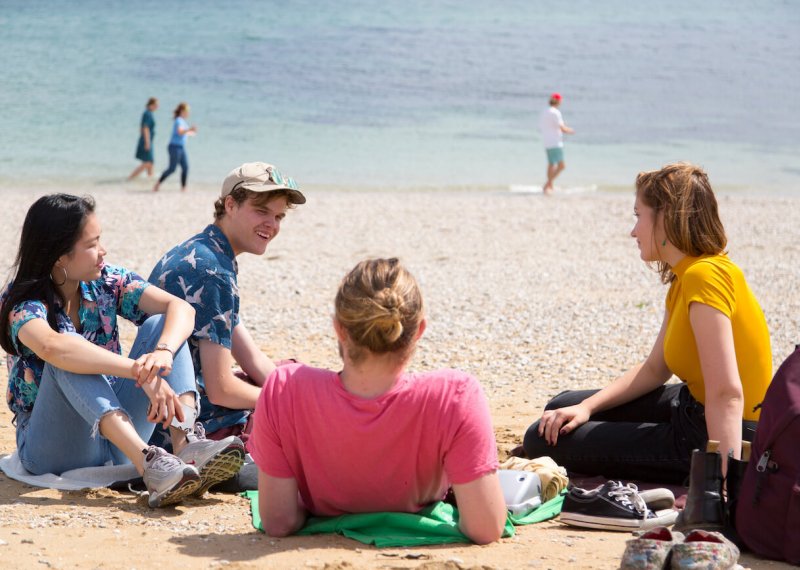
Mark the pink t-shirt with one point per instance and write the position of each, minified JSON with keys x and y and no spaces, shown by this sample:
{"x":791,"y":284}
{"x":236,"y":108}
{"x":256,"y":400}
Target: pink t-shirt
{"x":398,"y":452}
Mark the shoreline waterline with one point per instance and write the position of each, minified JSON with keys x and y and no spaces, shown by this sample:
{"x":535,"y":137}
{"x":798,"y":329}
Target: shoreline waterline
{"x":144,"y":185}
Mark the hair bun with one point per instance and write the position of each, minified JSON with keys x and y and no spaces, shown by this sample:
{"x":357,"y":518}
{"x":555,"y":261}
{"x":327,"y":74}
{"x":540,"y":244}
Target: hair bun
{"x":390,"y":321}
{"x":380,"y":306}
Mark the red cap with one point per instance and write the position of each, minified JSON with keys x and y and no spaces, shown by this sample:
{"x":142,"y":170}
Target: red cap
{"x":556,"y":96}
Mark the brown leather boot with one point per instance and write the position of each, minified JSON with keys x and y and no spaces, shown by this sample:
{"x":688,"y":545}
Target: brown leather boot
{"x":704,"y":504}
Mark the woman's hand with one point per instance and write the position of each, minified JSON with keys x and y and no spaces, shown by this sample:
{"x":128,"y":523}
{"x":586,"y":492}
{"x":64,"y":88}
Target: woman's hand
{"x":164,"y":403}
{"x":151,"y":365}
{"x":562,"y":421}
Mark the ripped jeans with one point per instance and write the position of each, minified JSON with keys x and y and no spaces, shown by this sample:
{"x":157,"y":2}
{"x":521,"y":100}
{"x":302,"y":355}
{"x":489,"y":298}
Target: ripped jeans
{"x":61,"y":432}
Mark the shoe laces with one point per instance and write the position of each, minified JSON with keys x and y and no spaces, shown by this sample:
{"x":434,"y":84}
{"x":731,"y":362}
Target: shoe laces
{"x":136,"y":492}
{"x":198,"y":434}
{"x":628,"y":495}
{"x":162,"y":460}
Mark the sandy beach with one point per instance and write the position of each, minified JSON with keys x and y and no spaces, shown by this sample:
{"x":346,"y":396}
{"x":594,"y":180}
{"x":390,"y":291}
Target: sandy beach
{"x":532,"y":295}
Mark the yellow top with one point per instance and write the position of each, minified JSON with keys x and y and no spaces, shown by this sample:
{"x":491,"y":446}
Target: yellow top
{"x":716,"y":281}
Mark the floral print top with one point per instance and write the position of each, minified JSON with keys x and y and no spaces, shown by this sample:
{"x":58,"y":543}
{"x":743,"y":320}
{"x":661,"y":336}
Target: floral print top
{"x":115,"y":293}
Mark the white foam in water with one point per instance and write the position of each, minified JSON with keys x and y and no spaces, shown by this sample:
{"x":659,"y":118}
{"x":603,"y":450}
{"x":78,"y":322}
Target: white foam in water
{"x":414,"y":94}
{"x":533,"y":189}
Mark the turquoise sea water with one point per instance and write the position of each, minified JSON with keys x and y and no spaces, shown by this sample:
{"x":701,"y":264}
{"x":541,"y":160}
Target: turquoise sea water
{"x":404,"y":93}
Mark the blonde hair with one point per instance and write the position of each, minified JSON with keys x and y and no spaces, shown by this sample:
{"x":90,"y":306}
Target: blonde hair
{"x":682,"y":193}
{"x":380,"y":306}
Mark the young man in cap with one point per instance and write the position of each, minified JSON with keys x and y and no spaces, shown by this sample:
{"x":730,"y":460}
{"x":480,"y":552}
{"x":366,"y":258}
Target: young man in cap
{"x":203,"y":271}
{"x":553,"y":128}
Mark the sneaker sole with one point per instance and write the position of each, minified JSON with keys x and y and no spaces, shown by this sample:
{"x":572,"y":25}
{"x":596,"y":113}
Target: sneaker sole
{"x":662,"y":518}
{"x":185,"y":487}
{"x":224,"y":466}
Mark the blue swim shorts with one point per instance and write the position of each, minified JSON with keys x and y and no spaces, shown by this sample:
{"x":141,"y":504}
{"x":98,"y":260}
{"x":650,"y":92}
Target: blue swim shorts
{"x":555,"y":155}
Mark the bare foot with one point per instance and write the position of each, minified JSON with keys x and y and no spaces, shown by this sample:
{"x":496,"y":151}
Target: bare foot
{"x":183,"y":188}
{"x":155,"y":188}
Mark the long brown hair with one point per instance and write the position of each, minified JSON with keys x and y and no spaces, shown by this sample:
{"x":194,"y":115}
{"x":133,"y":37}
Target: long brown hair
{"x":682,"y":194}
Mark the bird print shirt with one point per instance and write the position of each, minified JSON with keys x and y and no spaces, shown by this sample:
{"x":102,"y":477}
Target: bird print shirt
{"x":202,"y":270}
{"x":115,"y":293}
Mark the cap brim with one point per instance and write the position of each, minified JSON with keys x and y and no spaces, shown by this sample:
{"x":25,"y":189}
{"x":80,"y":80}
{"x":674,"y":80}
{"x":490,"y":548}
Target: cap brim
{"x":294,"y":195}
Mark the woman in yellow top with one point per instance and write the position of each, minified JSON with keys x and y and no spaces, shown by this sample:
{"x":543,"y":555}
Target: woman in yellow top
{"x":713,"y":337}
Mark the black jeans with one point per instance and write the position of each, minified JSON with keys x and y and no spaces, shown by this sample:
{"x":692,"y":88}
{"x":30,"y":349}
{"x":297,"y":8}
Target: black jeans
{"x":650,"y":438}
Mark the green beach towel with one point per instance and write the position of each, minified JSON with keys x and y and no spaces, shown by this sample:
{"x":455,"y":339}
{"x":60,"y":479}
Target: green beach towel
{"x":435,"y":524}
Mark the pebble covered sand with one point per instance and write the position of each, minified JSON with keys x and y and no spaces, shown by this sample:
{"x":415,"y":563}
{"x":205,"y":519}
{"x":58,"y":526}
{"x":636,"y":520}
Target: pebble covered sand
{"x":533,"y":295}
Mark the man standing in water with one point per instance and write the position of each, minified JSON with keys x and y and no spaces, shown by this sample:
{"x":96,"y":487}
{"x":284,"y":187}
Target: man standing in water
{"x":553,"y":128}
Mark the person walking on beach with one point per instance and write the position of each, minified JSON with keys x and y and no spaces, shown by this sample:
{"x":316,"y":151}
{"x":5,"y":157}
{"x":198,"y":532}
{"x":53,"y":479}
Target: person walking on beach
{"x":77,"y":402}
{"x":374,"y":437}
{"x":713,"y":337}
{"x":203,"y":270}
{"x":144,"y":149}
{"x":177,"y":146}
{"x":551,"y":123}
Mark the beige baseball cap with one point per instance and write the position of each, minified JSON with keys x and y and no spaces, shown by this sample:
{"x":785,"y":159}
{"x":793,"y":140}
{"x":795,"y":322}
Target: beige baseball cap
{"x":261,"y":177}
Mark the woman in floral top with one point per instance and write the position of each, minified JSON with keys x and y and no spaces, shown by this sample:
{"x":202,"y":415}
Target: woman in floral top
{"x":77,"y":401}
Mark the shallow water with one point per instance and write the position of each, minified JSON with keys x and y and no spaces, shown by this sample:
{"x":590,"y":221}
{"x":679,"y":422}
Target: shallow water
{"x":404,"y":93}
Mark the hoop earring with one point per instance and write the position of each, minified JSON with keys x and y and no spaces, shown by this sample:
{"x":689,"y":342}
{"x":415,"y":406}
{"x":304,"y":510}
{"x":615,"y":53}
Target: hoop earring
{"x":64,"y":269}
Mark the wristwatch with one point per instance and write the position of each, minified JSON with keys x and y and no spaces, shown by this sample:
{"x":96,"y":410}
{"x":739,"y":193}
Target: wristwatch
{"x":165,"y":346}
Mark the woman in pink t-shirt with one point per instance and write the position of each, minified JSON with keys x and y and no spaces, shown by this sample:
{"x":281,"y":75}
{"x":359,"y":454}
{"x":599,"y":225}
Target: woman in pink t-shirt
{"x":374,"y":437}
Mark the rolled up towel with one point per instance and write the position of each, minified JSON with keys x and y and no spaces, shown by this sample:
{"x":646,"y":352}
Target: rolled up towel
{"x":553,"y":476}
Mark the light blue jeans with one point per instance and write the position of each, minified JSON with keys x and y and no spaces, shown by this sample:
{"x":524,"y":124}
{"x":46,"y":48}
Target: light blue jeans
{"x":61,"y":432}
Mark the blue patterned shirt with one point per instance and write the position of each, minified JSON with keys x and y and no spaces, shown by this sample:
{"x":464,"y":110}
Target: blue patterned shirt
{"x":115,"y":293}
{"x":202,"y":270}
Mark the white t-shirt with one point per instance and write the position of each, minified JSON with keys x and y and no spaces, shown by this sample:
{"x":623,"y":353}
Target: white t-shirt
{"x":550,"y":123}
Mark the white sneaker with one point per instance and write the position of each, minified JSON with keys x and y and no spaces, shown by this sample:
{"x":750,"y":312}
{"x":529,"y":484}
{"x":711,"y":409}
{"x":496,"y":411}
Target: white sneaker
{"x":215,"y":460}
{"x":168,"y":479}
{"x":657,"y":499}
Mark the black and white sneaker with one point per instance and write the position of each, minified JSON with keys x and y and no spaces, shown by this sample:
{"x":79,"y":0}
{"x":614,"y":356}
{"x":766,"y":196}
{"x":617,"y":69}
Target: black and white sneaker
{"x":612,"y":506}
